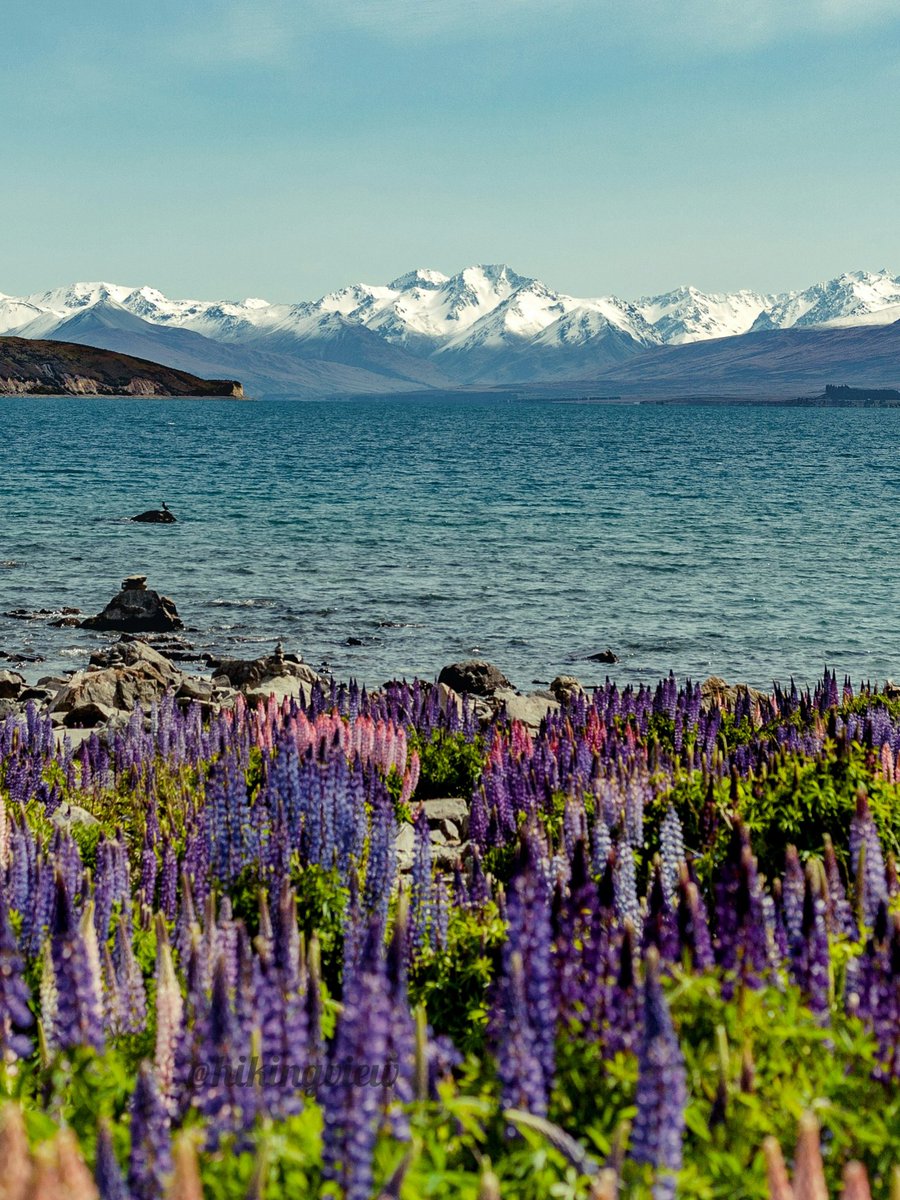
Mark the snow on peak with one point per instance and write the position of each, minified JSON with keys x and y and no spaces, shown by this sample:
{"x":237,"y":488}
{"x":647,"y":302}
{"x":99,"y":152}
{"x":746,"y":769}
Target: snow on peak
{"x":854,"y":298}
{"x":422,"y":277}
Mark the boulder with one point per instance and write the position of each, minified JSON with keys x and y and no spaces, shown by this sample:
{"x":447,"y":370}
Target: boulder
{"x":450,"y":814}
{"x":11,"y":684}
{"x":565,"y":688}
{"x":530,"y":709}
{"x":715,"y":691}
{"x":89,"y":714}
{"x":121,"y":677}
{"x":68,"y":815}
{"x":252,"y":673}
{"x":474,"y":676}
{"x":283,"y":687}
{"x":137,"y":609}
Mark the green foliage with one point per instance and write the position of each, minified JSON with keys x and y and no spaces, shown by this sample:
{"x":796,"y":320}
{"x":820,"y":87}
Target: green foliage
{"x":454,"y":984}
{"x":450,"y":765}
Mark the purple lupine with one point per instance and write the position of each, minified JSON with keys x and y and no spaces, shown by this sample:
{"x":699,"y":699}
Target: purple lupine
{"x":792,"y":892}
{"x":809,"y":952}
{"x":521,"y":1073}
{"x":150,"y":1160}
{"x":78,"y":1016}
{"x":107,"y":1172}
{"x":132,"y":995}
{"x":15,"y":1015}
{"x":351,"y":1112}
{"x":530,"y":935}
{"x":422,"y":891}
{"x":693,"y":925}
{"x":671,"y":845}
{"x":867,"y":860}
{"x":656,"y":1135}
{"x":839,"y":914}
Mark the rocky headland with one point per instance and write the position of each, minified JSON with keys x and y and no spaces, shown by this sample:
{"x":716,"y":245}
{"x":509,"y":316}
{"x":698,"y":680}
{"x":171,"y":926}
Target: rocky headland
{"x":40,"y":368}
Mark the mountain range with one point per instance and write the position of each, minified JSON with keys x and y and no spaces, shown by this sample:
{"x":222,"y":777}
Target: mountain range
{"x":488,"y":327}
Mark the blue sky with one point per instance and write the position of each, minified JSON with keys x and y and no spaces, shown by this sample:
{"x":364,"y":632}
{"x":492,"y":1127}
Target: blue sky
{"x":282,"y":148}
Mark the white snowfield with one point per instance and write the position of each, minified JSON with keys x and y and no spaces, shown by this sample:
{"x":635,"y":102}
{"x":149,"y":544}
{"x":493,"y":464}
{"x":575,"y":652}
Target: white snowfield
{"x":481,"y":308}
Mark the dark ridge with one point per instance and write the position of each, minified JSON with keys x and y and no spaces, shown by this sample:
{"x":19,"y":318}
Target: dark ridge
{"x":42,"y":368}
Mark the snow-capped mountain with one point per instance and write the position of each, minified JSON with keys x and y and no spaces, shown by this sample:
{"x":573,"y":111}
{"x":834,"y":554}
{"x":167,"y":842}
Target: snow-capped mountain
{"x":688,"y":315}
{"x":486,"y":325}
{"x":857,"y":298}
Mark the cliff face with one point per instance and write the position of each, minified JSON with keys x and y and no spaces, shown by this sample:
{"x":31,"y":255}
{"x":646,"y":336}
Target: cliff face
{"x":64,"y":368}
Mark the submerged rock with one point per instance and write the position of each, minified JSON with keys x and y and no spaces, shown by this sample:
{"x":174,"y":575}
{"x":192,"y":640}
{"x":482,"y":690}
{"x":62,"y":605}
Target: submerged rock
{"x":137,"y":609}
{"x":155,"y":516}
{"x":604,"y":656}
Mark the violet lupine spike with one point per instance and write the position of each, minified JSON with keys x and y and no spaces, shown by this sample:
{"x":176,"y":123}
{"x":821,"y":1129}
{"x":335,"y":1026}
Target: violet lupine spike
{"x":150,"y":1160}
{"x":693,"y":925}
{"x":867,"y":860}
{"x":78,"y":1016}
{"x":671,"y":844}
{"x":530,"y":934}
{"x":810,"y":954}
{"x":15,"y":1014}
{"x":351,"y":1112}
{"x":107,"y":1172}
{"x":839,"y":914}
{"x":656,"y":1136}
{"x":422,"y":892}
{"x":792,"y":890}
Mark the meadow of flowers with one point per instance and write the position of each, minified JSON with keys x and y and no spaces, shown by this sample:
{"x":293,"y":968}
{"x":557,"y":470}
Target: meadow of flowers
{"x":672,"y":938}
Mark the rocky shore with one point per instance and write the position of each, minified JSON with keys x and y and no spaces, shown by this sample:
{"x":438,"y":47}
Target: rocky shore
{"x":146,"y":664}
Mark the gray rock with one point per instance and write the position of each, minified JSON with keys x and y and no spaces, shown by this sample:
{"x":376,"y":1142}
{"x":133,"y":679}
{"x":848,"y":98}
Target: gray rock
{"x":450,"y":809}
{"x":199,"y":690}
{"x":405,"y":846}
{"x":282,"y":687}
{"x":68,"y":815}
{"x":715,"y":691}
{"x":243,"y":673}
{"x":137,"y":610}
{"x":474,"y":676}
{"x":11,"y":684}
{"x":566,"y":687}
{"x":530,"y":709}
{"x":89,"y":715}
{"x":8,"y":708}
{"x":135,"y":674}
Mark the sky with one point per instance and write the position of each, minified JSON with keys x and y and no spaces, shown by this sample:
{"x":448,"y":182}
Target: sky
{"x":285,"y":148}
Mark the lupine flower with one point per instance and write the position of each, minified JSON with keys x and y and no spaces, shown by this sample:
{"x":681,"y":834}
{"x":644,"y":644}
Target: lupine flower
{"x":77,"y":1018}
{"x":150,"y":1161}
{"x":107,"y":1172}
{"x":15,"y":1016}
{"x":658,"y":1128}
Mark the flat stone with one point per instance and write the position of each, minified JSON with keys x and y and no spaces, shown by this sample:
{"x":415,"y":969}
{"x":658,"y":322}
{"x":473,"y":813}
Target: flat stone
{"x":530,"y":709}
{"x":282,"y":688}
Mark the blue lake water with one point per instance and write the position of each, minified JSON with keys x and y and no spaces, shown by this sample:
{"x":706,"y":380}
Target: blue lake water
{"x":749,"y":542}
